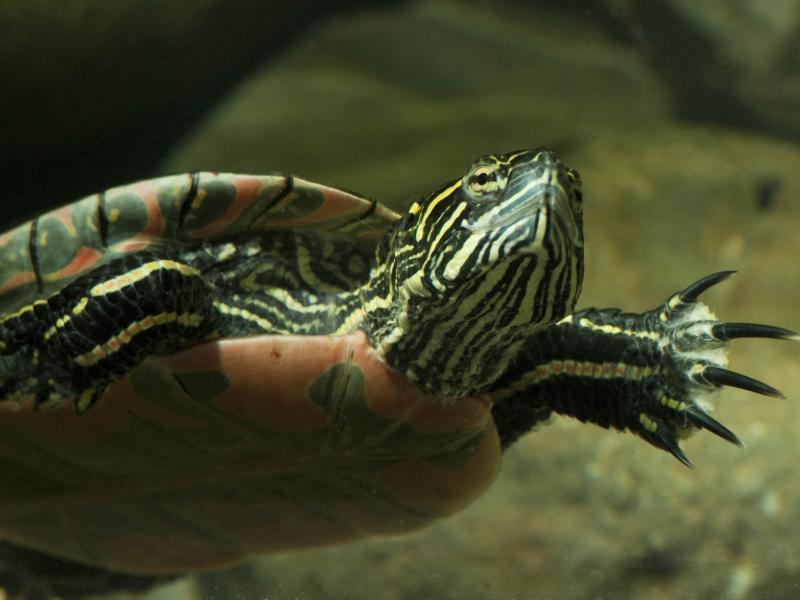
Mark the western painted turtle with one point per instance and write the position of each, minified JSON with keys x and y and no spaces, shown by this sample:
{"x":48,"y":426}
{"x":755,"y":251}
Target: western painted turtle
{"x":199,"y":368}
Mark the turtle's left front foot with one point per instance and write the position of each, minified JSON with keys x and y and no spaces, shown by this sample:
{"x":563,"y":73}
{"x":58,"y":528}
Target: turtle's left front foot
{"x":652,"y":373}
{"x":692,"y":345}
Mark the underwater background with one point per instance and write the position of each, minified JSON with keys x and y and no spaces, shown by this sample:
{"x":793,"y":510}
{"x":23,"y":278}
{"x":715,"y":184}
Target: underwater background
{"x":683,"y":119}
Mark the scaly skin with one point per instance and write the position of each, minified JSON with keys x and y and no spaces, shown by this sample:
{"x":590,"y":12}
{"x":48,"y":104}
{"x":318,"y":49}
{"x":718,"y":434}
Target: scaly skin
{"x":652,"y":373}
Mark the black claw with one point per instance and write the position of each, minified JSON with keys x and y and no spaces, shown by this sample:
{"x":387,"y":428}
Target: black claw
{"x":730,"y":331}
{"x":719,"y":376}
{"x":691,"y":293}
{"x":699,"y":418}
{"x":669,"y":444}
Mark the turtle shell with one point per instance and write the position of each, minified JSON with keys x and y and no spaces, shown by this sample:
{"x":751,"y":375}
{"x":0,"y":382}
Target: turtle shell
{"x":234,"y":447}
{"x":39,"y":257}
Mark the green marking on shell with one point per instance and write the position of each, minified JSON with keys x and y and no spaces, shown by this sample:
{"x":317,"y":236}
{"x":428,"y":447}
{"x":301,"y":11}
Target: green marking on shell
{"x":16,"y":275}
{"x":127,"y":216}
{"x":169,"y":199}
{"x":84,"y":219}
{"x":203,"y":386}
{"x":204,"y":212}
{"x":56,"y":244}
{"x":340,"y":391}
{"x":155,"y":384}
{"x":297,"y":204}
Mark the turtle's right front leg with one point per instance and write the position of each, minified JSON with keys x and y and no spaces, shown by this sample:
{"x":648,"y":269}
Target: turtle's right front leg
{"x":649,"y":373}
{"x":100,"y":326}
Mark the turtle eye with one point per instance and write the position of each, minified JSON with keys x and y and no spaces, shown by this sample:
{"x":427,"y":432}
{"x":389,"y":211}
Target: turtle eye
{"x":484,"y":182}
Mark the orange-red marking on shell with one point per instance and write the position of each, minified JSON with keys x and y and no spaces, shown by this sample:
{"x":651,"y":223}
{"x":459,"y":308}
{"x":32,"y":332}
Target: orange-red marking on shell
{"x":337,"y":204}
{"x":438,"y":492}
{"x":16,"y":280}
{"x":269,"y":377}
{"x":84,"y":260}
{"x":248,"y":189}
{"x":147,"y":191}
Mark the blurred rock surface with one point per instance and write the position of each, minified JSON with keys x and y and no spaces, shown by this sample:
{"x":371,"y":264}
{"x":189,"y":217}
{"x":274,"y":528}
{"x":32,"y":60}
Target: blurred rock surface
{"x":731,"y":62}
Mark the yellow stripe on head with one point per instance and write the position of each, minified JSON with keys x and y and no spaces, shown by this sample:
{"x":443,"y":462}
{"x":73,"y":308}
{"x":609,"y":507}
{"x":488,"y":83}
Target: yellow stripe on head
{"x":444,"y":194}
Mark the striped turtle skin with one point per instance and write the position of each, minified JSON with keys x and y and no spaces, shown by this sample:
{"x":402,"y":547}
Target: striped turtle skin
{"x":273,"y":363}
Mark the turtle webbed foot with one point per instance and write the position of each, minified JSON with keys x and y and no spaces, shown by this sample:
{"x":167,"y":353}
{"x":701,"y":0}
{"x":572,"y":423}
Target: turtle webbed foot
{"x":694,"y":349}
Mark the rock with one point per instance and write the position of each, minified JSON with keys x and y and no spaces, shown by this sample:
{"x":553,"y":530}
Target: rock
{"x":731,"y":62}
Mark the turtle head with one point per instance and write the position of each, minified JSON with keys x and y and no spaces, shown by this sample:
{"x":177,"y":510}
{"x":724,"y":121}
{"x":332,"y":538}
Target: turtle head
{"x":480,"y":264}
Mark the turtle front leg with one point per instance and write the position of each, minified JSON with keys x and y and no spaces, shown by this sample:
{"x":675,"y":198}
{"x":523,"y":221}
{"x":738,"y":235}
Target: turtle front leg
{"x":100,"y":326}
{"x":651,"y":373}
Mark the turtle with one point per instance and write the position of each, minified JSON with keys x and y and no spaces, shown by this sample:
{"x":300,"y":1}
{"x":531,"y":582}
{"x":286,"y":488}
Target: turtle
{"x":199,"y":368}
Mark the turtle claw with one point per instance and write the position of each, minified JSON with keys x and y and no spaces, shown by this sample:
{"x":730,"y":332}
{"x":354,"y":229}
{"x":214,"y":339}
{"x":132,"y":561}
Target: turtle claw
{"x":692,"y":293}
{"x":702,"y":420}
{"x":695,"y":345}
{"x":730,"y":331}
{"x":668,"y":443}
{"x":663,"y":432}
{"x":718,"y":376}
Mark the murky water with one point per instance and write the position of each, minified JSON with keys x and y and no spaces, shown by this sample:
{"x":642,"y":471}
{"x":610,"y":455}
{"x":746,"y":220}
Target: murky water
{"x":682,"y":121}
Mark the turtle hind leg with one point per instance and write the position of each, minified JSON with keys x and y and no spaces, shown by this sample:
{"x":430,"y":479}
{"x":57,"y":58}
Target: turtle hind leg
{"x":653,"y":374}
